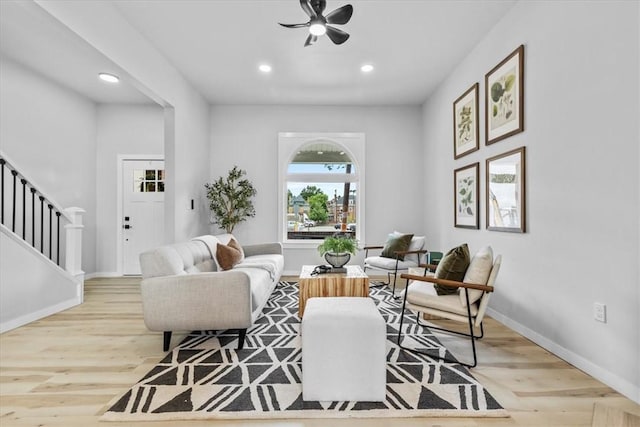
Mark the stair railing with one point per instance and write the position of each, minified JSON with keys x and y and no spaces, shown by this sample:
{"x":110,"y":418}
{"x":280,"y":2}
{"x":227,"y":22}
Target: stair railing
{"x":36,"y":219}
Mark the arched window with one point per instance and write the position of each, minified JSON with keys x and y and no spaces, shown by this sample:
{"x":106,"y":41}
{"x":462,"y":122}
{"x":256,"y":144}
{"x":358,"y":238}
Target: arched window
{"x":321,"y":190}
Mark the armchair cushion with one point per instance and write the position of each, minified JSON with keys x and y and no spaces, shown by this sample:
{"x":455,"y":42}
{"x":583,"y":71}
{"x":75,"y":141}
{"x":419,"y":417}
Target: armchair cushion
{"x":453,"y":266}
{"x":396,"y":243}
{"x":424,"y":294}
{"x":383,"y":263}
{"x":478,"y":273}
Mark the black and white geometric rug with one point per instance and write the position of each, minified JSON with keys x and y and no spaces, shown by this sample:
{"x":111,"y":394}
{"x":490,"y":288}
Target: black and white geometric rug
{"x":205,"y":377}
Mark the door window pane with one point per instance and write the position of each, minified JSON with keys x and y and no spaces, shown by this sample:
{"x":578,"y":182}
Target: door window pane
{"x":148,"y":180}
{"x":138,"y":181}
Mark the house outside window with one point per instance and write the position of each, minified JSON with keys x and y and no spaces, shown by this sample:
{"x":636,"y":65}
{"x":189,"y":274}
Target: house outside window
{"x":320,"y":186}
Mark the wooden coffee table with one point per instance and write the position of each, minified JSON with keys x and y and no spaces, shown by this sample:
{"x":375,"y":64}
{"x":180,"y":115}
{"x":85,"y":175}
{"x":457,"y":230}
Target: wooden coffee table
{"x":353,"y":283}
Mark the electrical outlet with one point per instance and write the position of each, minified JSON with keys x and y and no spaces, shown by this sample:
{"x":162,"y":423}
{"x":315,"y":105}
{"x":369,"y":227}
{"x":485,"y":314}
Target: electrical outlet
{"x":600,"y":312}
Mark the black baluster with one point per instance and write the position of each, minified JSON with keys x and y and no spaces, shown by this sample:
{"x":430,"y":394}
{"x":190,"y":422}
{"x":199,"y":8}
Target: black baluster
{"x":50,"y":229}
{"x":41,"y":224}
{"x":24,"y":212}
{"x":13,"y":215}
{"x":58,"y":239}
{"x":33,"y":217}
{"x":2,"y":162}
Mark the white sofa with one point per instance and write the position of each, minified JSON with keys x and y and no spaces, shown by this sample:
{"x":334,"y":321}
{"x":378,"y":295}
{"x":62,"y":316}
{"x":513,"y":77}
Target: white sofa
{"x":183,"y":287}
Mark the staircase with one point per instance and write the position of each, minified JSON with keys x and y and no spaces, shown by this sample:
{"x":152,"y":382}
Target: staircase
{"x":40,"y":251}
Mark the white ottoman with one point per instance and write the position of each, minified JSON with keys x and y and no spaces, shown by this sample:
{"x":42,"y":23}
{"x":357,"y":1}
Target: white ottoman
{"x":343,"y":350}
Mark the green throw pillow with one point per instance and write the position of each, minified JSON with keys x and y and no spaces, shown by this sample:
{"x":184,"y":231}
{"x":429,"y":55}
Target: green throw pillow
{"x":453,"y":266}
{"x":396,"y":243}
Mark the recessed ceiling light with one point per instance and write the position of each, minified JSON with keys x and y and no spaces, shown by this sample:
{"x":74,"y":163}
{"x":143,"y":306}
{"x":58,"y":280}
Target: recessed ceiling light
{"x":110,"y":78}
{"x":366,"y":68}
{"x":265,"y":68}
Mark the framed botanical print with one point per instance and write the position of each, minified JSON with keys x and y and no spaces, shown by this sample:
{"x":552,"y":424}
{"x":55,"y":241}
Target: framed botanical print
{"x":465,"y":123}
{"x":466,"y":188}
{"x":504,"y":98}
{"x":505,"y":188}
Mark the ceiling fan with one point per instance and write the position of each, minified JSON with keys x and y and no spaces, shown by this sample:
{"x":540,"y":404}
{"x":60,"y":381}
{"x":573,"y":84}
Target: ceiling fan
{"x":318,"y":23}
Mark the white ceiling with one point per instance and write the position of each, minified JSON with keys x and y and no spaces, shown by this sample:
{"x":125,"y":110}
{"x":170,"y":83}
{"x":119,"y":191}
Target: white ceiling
{"x":218,"y":44}
{"x":34,"y":39}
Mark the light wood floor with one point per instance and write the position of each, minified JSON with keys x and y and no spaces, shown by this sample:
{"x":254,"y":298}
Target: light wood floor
{"x":65,"y":370}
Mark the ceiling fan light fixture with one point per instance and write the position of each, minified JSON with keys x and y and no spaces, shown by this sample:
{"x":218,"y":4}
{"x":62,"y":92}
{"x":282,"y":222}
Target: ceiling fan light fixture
{"x":317,"y":29}
{"x":320,"y":24}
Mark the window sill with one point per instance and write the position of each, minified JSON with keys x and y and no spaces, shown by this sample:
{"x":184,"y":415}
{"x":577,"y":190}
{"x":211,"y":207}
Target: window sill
{"x":301,"y":244}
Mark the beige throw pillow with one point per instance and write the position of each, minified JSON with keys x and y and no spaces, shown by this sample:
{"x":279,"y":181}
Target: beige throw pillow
{"x":477,"y":273}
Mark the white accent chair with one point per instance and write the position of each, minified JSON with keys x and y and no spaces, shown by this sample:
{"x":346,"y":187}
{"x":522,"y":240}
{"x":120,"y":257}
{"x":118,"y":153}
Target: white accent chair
{"x":469,"y":305}
{"x":401,"y":262}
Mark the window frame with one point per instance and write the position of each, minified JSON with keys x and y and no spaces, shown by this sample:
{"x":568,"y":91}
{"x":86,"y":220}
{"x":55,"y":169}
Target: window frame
{"x":289,"y":143}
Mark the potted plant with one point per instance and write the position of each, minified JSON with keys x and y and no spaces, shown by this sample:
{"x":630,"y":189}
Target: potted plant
{"x":230,"y":199}
{"x":337,"y":249}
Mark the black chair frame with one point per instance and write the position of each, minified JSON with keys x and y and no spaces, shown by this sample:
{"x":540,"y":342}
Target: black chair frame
{"x":471,"y":333}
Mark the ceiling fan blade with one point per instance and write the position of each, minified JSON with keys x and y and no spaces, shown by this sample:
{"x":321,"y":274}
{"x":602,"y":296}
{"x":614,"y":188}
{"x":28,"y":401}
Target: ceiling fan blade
{"x":294,"y":25}
{"x":337,"y":36}
{"x":310,"y":40}
{"x":306,"y":6}
{"x":318,"y":5}
{"x":341,"y":15}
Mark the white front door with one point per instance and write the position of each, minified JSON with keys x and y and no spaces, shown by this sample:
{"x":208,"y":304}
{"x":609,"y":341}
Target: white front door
{"x":142,"y":210}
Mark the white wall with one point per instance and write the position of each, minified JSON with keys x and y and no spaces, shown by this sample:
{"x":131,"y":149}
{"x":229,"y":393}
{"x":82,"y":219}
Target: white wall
{"x":31,"y":286}
{"x":121,"y":129}
{"x":186,"y":145}
{"x":581,"y":134}
{"x":247,"y":136}
{"x":50,"y":133}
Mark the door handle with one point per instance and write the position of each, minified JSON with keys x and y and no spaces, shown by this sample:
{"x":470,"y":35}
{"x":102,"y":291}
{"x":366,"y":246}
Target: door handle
{"x":127,"y":226}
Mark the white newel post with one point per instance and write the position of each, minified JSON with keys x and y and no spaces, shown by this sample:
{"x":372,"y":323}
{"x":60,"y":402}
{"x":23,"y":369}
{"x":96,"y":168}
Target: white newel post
{"x":73,"y":258}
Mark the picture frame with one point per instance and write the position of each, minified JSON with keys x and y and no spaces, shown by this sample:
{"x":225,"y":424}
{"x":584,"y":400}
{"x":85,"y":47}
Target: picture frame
{"x":506,"y":192}
{"x":466,"y":189}
{"x":504,"y":98}
{"x":466,"y":128}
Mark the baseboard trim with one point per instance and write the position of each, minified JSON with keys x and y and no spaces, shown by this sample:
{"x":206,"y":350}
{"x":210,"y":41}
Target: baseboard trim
{"x":102,"y":274}
{"x":37,"y":315}
{"x":617,"y":383}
